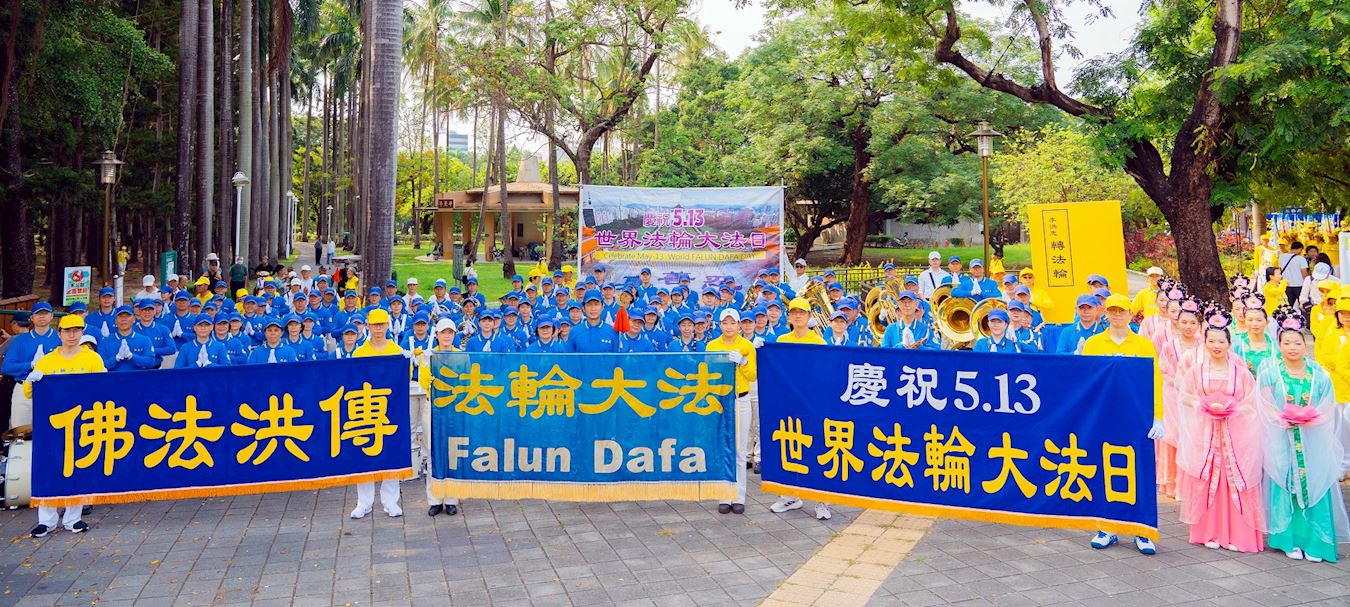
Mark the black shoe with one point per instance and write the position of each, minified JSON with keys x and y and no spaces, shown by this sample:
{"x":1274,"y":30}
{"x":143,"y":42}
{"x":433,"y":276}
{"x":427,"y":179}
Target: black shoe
{"x":79,"y":527}
{"x":40,"y":531}
{"x":756,"y":467}
{"x":738,"y":508}
{"x":86,"y":510}
{"x":749,"y":464}
{"x":434,"y":510}
{"x":724,"y":508}
{"x":452,"y":509}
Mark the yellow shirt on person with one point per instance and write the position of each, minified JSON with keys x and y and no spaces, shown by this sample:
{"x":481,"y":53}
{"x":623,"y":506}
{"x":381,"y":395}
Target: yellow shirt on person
{"x":424,"y":370}
{"x":1101,"y":344}
{"x":811,"y":337}
{"x":1145,"y":302}
{"x":745,"y":373}
{"x":1275,"y":294}
{"x":55,"y":363}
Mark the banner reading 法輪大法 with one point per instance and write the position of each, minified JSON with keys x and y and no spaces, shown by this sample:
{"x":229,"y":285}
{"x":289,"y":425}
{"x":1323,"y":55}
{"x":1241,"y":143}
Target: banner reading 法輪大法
{"x":1054,"y":441}
{"x":704,"y":234}
{"x":101,"y":438}
{"x":582,"y":427}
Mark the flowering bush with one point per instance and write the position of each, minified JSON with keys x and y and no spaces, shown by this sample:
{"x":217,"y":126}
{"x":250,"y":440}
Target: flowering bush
{"x":1144,"y":249}
{"x":1231,"y":244}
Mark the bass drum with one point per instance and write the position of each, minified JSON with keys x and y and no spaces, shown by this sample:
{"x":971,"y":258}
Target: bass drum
{"x":16,"y":478}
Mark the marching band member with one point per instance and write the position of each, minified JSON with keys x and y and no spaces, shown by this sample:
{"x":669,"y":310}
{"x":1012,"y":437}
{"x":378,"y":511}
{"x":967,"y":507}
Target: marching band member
{"x":445,"y":342}
{"x":1303,"y":459}
{"x":838,"y":334}
{"x":202,"y":350}
{"x":1220,"y":462}
{"x":1027,"y":337}
{"x":633,"y":341}
{"x":953,"y":276}
{"x":25,"y":350}
{"x":909,"y":331}
{"x":488,"y":338}
{"x":101,"y":322}
{"x":271,"y":350}
{"x":799,"y":276}
{"x":593,"y":334}
{"x":976,"y":286}
{"x":742,"y":353}
{"x":68,"y":357}
{"x":346,"y":348}
{"x":1072,"y":338}
{"x":1119,"y":340}
{"x":303,"y":348}
{"x":1009,"y":282}
{"x":999,"y":340}
{"x":378,"y":345}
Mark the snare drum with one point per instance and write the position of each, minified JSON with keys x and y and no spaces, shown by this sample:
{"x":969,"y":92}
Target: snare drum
{"x":16,"y":478}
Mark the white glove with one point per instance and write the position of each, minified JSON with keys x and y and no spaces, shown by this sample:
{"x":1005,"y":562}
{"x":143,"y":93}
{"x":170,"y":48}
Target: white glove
{"x":271,"y":355}
{"x":736,"y":357}
{"x":757,"y":342}
{"x":34,"y":376}
{"x":408,"y":354}
{"x":177,"y":331}
{"x":203,"y":360}
{"x":105,"y":328}
{"x":124,"y":352}
{"x":37,"y":355}
{"x":1157,"y":432}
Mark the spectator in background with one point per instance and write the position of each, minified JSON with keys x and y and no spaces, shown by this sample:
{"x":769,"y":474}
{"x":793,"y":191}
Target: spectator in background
{"x":1294,"y":268}
{"x":238,"y":274}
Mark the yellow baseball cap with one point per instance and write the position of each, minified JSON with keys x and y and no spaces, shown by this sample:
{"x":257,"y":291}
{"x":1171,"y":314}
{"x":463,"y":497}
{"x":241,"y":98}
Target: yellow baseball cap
{"x":1026,"y":272}
{"x":202,"y":280}
{"x":71,"y":321}
{"x":1343,"y":305}
{"x":569,"y":268}
{"x":1328,"y":285}
{"x":240,"y":294}
{"x":799,"y":304}
{"x":1118,"y":301}
{"x":377,"y":317}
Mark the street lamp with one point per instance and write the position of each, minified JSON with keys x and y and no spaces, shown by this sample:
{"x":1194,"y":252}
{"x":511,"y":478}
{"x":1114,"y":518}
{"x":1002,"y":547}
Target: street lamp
{"x":107,"y":175}
{"x":240,"y":181}
{"x":329,"y":225}
{"x":984,"y":138}
{"x":289,"y":236}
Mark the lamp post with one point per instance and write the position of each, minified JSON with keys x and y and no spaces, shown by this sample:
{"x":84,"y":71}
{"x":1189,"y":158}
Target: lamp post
{"x":107,"y":175}
{"x":289,"y":236}
{"x":240,"y":181}
{"x":984,"y":137}
{"x":329,"y":226}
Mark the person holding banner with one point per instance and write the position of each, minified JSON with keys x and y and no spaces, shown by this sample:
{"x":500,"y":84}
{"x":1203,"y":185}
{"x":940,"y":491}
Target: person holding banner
{"x":1220,"y":462}
{"x":1307,"y":516}
{"x":1119,"y":340}
{"x":742,"y":353}
{"x":378,"y":344}
{"x":445,"y":342}
{"x":68,"y":357}
{"x":799,"y":316}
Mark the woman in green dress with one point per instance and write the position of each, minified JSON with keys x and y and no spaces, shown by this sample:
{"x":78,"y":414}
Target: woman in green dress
{"x":1254,"y":343}
{"x":1307,"y":515}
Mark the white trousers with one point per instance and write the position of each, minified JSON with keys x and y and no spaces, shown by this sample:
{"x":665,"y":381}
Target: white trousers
{"x":48,"y":517}
{"x":168,"y":361}
{"x":389,"y":494}
{"x":752,"y":450}
{"x":20,"y":407}
{"x":425,"y":437}
{"x":742,"y":445}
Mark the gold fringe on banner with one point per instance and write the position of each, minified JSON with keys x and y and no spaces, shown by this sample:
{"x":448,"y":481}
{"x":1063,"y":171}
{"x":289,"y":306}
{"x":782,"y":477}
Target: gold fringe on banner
{"x":1085,"y":523}
{"x":583,"y":492}
{"x":222,"y":490}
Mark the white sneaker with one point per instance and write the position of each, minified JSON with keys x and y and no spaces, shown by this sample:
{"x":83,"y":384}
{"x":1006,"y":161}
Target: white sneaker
{"x":394,"y":512}
{"x":1310,"y":558}
{"x":360,"y":513}
{"x":1212,"y":545}
{"x":1295,"y":554}
{"x":822,"y":512}
{"x":784,"y":504}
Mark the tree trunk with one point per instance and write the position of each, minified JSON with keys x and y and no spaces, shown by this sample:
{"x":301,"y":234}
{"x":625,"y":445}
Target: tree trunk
{"x":187,"y":125}
{"x":860,"y":198}
{"x":304,"y":188}
{"x":806,"y":238}
{"x":17,"y":258}
{"x":247,"y":96}
{"x":225,"y":216}
{"x":387,"y":51}
{"x":508,"y":227}
{"x":206,"y":111}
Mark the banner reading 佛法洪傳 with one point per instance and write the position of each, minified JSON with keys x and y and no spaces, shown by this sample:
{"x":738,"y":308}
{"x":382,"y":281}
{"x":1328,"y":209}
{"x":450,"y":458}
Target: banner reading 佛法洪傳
{"x":106,"y":438}
{"x":703,"y":234}
{"x":1042,"y":440}
{"x":582,"y":427}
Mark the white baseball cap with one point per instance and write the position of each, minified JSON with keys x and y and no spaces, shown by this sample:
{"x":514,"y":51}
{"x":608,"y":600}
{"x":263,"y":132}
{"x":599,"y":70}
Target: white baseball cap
{"x":443,"y":324}
{"x":305,"y":268}
{"x":729,"y":313}
{"x":171,"y":278}
{"x":412,"y":280}
{"x":800,"y":262}
{"x":934,"y":255}
{"x":1155,"y":271}
{"x":295,"y":282}
{"x":148,"y":281}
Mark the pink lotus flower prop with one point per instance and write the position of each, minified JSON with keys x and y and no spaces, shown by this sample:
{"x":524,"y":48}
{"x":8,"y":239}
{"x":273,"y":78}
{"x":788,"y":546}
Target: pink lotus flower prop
{"x":1298,"y":416}
{"x":1219,"y":410}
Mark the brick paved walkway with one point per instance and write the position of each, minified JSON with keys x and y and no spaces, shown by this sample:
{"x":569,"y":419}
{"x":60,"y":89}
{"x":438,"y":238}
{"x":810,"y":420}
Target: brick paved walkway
{"x":300,"y":549}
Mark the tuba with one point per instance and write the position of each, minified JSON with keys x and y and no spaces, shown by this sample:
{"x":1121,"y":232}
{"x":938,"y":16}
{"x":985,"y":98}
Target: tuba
{"x":939,"y":295}
{"x":882,"y":307}
{"x":980,"y":315}
{"x":955,"y":321}
{"x":821,"y":308}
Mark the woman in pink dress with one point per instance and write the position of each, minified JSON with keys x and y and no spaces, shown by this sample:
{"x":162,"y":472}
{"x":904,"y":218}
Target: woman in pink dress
{"x":1175,"y":356}
{"x":1155,"y":326}
{"x":1219,"y":460}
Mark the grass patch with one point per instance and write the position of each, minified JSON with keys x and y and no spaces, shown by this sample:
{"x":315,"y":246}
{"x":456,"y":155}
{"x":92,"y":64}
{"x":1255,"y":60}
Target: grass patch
{"x":1015,"y":255}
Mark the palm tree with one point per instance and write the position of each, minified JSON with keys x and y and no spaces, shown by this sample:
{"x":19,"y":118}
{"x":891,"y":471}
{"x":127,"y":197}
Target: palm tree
{"x":187,"y":123}
{"x":386,"y":51}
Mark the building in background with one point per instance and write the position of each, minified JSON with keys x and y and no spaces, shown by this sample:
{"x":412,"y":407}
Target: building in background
{"x":457,"y":142}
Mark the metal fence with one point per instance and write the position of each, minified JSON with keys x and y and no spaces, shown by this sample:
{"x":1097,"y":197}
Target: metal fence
{"x":853,"y":278}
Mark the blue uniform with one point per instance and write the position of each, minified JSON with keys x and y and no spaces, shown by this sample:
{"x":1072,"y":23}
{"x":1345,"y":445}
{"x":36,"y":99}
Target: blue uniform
{"x":554,"y":346}
{"x":1029,"y":340}
{"x":919,"y":331}
{"x":1007,"y":345}
{"x":189,"y":355}
{"x":159,"y":339}
{"x":599,"y":338}
{"x":182,"y":326}
{"x":302,"y":347}
{"x":142,"y":352}
{"x":494,"y":343}
{"x":237,"y":346}
{"x":968,"y":287}
{"x":25,"y":349}
{"x":264,"y":354}
{"x":1071,"y":338}
{"x":635,"y":345}
{"x":101,"y":324}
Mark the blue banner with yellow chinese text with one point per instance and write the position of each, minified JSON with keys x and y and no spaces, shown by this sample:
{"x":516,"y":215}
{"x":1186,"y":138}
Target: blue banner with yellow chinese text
{"x":582,"y":427}
{"x":103,"y":438}
{"x":1054,"y":441}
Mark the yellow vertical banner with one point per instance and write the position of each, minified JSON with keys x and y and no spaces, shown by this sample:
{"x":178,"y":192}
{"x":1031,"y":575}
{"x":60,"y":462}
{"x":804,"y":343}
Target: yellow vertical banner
{"x":1071,"y":241}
